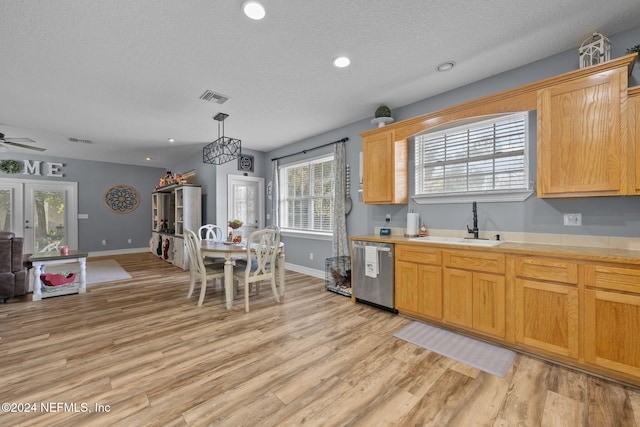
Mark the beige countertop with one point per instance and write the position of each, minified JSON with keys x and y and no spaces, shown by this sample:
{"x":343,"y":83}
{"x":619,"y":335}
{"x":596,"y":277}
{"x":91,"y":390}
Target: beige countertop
{"x":560,"y":251}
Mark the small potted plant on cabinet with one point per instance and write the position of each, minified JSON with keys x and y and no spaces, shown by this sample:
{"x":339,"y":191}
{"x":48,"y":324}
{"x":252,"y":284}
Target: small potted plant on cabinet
{"x":382,"y":116}
{"x":635,"y":49}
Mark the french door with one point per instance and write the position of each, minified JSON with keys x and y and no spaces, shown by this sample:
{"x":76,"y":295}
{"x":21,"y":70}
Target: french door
{"x":45,"y":213}
{"x":245,"y":202}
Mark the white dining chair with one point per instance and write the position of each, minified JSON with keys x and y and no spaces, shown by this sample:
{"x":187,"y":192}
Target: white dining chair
{"x":211,"y":232}
{"x":198,"y":270}
{"x":215,"y":233}
{"x":262,"y":248}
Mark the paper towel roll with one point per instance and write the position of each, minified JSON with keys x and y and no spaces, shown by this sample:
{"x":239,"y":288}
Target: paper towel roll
{"x":413,"y":221}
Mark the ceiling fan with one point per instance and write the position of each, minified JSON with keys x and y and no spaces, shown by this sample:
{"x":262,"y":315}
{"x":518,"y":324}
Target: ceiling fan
{"x":7,"y":143}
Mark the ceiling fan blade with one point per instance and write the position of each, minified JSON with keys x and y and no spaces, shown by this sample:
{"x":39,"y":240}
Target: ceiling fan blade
{"x":20,"y":139}
{"x":23,"y":146}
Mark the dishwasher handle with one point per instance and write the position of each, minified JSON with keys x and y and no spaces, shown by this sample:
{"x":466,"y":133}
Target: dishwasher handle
{"x":379,"y":249}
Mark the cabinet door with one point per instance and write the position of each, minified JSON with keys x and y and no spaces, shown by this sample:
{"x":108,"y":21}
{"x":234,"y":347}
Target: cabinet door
{"x":179,"y":253}
{"x":419,"y":289}
{"x":633,"y":108}
{"x":489,"y":304}
{"x":581,"y":140}
{"x":458,"y":297}
{"x":406,"y":286}
{"x":377,"y":163}
{"x":547,"y":316}
{"x":385,"y":168}
{"x":430,"y":291}
{"x":612,"y":322}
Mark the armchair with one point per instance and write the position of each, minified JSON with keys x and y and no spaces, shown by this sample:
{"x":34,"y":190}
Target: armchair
{"x":13,"y":269}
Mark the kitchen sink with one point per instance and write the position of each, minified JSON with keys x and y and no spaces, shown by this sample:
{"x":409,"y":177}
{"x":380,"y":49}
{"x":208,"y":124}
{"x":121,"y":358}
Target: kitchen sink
{"x":456,"y":241}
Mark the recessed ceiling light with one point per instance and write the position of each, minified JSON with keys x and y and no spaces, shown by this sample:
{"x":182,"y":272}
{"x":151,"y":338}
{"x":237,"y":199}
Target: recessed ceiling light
{"x":253,"y":10}
{"x":341,"y":61}
{"x":446,"y":66}
{"x":171,"y":140}
{"x":148,"y":158}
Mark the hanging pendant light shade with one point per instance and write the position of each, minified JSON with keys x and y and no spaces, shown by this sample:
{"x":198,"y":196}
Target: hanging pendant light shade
{"x":223,"y":149}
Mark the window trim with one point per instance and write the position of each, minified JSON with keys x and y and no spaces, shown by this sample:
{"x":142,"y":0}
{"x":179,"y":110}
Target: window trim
{"x":296,"y":232}
{"x":502,"y":195}
{"x":474,"y":196}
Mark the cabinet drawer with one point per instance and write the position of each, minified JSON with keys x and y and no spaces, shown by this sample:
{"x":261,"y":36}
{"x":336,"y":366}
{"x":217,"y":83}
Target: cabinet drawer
{"x":422,"y":255}
{"x":620,"y":279}
{"x":475,"y":261}
{"x":546,"y":269}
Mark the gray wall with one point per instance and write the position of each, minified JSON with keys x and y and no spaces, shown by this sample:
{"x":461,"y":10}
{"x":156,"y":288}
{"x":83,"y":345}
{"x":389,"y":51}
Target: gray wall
{"x":615,"y":216}
{"x":93,"y":179}
{"x":213,"y":180}
{"x":610,"y":216}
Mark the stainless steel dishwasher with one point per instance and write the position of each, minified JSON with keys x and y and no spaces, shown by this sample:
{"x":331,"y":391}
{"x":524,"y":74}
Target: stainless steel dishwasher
{"x":373,"y":274}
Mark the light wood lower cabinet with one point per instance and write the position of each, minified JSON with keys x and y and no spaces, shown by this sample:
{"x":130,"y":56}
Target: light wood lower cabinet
{"x":418,"y":278}
{"x":458,"y":297}
{"x":582,"y":312}
{"x":546,"y":305}
{"x":547,"y":316}
{"x":474,"y":291}
{"x":420,"y":291}
{"x":612,"y":318}
{"x":475,"y":300}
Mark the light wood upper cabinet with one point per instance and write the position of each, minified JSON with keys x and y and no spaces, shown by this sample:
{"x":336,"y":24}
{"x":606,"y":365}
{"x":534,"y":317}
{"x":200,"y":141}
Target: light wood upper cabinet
{"x":385,"y":169}
{"x":582,"y":136}
{"x":633,"y":113}
{"x":578,"y":309}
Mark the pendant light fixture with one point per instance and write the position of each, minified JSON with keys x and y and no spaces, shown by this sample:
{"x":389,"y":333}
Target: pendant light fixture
{"x":223,"y":149}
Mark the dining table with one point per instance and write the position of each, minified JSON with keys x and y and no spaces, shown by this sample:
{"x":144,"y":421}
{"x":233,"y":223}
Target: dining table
{"x":230,"y":251}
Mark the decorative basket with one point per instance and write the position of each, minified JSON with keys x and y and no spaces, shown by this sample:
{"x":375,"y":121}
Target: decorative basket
{"x":57,"y":279}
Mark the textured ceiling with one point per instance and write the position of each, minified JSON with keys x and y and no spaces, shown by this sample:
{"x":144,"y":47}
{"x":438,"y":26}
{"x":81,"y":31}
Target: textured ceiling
{"x":128,"y":75}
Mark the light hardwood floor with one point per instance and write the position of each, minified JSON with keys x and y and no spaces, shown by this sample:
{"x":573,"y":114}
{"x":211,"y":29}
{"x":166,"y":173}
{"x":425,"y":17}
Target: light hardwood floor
{"x":155,"y":358}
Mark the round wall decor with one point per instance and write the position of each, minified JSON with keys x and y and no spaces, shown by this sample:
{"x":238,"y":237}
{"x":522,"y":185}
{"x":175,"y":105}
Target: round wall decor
{"x":10,"y":166}
{"x":121,"y":199}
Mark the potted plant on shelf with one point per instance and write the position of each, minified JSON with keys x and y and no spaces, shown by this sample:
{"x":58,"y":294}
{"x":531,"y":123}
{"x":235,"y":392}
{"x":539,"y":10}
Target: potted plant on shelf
{"x":635,"y":49}
{"x":382,"y":116}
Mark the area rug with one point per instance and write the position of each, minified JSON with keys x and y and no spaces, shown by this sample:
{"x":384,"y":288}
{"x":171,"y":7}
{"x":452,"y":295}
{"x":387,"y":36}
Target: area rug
{"x":484,"y":356}
{"x":99,"y":271}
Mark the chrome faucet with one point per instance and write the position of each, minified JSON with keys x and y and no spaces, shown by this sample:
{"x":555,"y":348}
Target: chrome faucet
{"x":475,"y":222}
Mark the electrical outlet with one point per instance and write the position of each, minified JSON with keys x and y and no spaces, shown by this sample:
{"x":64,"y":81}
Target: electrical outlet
{"x":104,"y":242}
{"x":129,"y":241}
{"x":387,"y":217}
{"x":310,"y":255}
{"x":573,"y":219}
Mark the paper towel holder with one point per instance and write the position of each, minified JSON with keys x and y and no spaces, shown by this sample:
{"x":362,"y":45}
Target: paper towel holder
{"x":407,"y":233}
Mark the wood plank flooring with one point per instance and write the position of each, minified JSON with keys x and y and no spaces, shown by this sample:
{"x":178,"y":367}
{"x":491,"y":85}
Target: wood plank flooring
{"x":149,"y":356}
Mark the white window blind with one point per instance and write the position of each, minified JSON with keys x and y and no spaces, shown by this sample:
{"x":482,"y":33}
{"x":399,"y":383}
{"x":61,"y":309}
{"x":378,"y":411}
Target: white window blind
{"x":481,"y":157}
{"x":307,"y":193}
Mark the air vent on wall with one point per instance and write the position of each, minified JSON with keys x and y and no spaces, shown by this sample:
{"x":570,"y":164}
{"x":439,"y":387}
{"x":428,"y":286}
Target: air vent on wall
{"x":81,"y":141}
{"x":211,"y":96}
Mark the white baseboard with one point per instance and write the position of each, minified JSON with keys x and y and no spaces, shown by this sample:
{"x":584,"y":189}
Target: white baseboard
{"x":293,"y":267}
{"x":304,"y":270}
{"x":119,"y":251}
